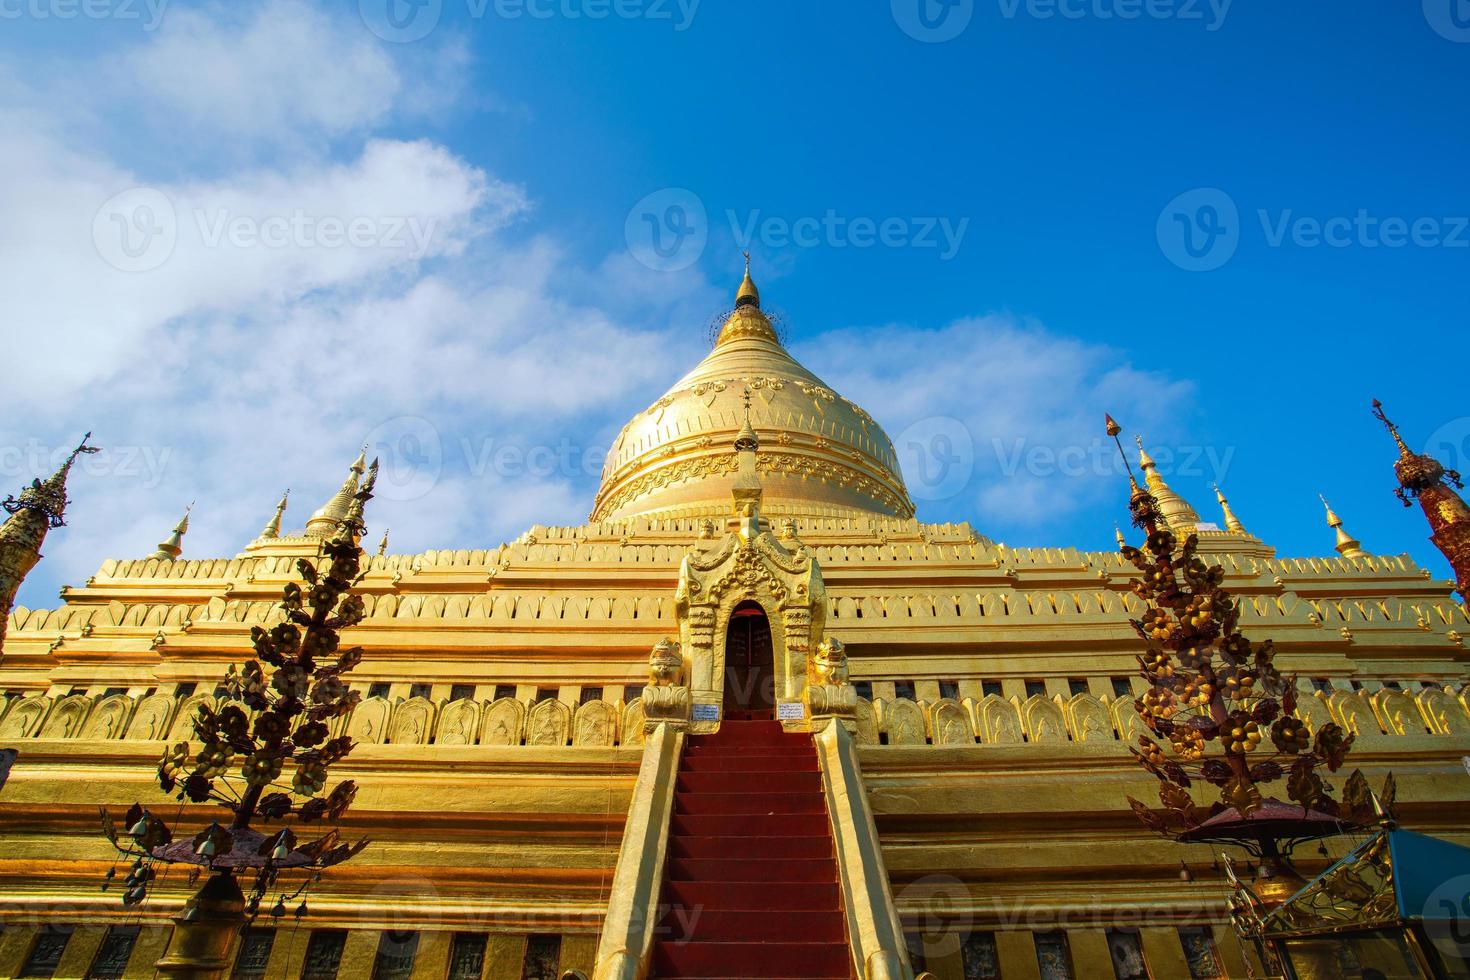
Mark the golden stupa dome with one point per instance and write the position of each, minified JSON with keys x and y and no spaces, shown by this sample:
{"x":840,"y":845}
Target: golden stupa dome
{"x":820,"y":454}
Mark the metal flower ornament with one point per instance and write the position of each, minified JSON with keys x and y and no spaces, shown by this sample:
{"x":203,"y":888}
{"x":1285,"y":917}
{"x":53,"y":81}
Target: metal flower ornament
{"x":1220,"y":713}
{"x":264,"y":752}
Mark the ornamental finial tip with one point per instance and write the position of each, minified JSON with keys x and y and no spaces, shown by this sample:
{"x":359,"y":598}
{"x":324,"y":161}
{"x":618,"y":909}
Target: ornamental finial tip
{"x":747,"y":294}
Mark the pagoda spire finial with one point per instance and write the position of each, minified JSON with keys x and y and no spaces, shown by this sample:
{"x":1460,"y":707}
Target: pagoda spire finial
{"x":383,"y":544}
{"x":1118,"y":533}
{"x":272,"y":528}
{"x":1423,"y":478}
{"x":1347,"y":545}
{"x":1141,"y":503}
{"x":324,"y":522}
{"x":1232,"y":523}
{"x":1178,"y":515}
{"x":173,"y":546}
{"x":747,"y":294}
{"x":38,"y":508}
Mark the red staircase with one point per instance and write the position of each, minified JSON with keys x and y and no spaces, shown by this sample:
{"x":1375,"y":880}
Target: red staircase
{"x":751,"y":885}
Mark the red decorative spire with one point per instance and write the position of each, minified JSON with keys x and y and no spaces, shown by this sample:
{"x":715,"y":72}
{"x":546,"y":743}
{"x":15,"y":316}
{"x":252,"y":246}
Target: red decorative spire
{"x":1422,"y":478}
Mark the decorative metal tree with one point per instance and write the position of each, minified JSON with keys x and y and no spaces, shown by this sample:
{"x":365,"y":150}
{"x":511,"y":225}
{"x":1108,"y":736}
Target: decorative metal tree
{"x":1209,"y":686}
{"x":291,"y":706}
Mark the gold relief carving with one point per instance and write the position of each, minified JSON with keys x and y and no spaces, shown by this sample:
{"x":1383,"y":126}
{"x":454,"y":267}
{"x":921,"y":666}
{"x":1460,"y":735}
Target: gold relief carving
{"x":1443,"y":713}
{"x":109,"y":719}
{"x":1397,"y":713}
{"x":1043,"y":719}
{"x":66,"y":718}
{"x":596,"y":724}
{"x":1000,"y":722}
{"x":1126,"y":722}
{"x":949,"y":724}
{"x":829,"y":664}
{"x":150,"y":720}
{"x":903,"y":722}
{"x":821,"y":397}
{"x":458,"y":723}
{"x":632,"y":723}
{"x":866,"y":730}
{"x":665,"y":704}
{"x":25,"y":717}
{"x":182,"y":729}
{"x":1354,"y":713}
{"x":1311,"y":707}
{"x":666,"y":663}
{"x":747,"y":576}
{"x":548,"y":722}
{"x":503,"y":723}
{"x":369,"y":721}
{"x":1088,"y":720}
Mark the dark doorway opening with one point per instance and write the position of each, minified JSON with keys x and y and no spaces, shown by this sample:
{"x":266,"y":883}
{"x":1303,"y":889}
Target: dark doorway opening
{"x":750,"y":676}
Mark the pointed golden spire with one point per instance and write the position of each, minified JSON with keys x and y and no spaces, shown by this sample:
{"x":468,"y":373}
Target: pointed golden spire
{"x":1232,"y":523}
{"x":39,"y":508}
{"x":324,"y":522}
{"x":272,"y":528}
{"x":171,"y":548}
{"x":1176,"y":511}
{"x":1118,"y":533}
{"x":1114,"y":429}
{"x":383,"y":544}
{"x":1347,"y":545}
{"x":747,"y":294}
{"x":747,"y":491}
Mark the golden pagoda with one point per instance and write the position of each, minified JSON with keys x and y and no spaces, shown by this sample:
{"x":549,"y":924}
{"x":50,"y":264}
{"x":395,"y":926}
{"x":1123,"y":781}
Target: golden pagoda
{"x":753,"y":718}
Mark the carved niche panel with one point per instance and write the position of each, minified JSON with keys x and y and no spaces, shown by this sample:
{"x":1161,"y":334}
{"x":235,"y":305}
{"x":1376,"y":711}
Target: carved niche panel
{"x":1044,"y":720}
{"x":949,"y":724}
{"x":150,"y":720}
{"x":369,"y":721}
{"x":596,"y":724}
{"x":548,"y":722}
{"x":458,"y":723}
{"x":1089,"y":719}
{"x":25,"y":717}
{"x":1354,"y":713}
{"x":632,"y":732}
{"x":412,"y":722}
{"x":1126,"y":721}
{"x":503,"y":723}
{"x":1397,"y":713}
{"x":109,"y":719}
{"x":1443,"y":712}
{"x":183,"y":726}
{"x":65,"y":720}
{"x":903,"y":721}
{"x":1000,"y":721}
{"x":866,"y":721}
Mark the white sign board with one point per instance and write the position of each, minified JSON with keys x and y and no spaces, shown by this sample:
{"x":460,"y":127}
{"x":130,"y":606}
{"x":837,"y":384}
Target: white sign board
{"x":706,"y":712}
{"x":1466,"y":759}
{"x":790,"y":711}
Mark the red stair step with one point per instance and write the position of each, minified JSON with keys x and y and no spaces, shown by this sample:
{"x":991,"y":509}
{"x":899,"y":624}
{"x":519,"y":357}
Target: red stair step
{"x":816,"y":871}
{"x":737,"y":925}
{"x":751,"y":895}
{"x":751,"y":960}
{"x":747,"y":762}
{"x":755,"y":848}
{"x":751,"y":825}
{"x":734,"y":804}
{"x":749,"y":782}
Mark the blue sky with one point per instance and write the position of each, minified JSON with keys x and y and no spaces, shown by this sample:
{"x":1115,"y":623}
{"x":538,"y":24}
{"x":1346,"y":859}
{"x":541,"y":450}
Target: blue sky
{"x":499,"y":308}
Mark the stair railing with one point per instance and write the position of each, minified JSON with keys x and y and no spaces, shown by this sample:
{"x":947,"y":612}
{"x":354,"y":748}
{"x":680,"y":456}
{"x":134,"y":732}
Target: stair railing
{"x":630,"y":927}
{"x":874,"y":931}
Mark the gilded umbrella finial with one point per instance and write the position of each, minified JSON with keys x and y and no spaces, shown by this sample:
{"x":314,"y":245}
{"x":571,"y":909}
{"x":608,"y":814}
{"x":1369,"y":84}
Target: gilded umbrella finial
{"x":747,"y":294}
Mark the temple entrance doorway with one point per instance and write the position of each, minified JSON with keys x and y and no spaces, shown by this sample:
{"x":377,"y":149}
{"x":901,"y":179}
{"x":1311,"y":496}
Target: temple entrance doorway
{"x":750,"y":676}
